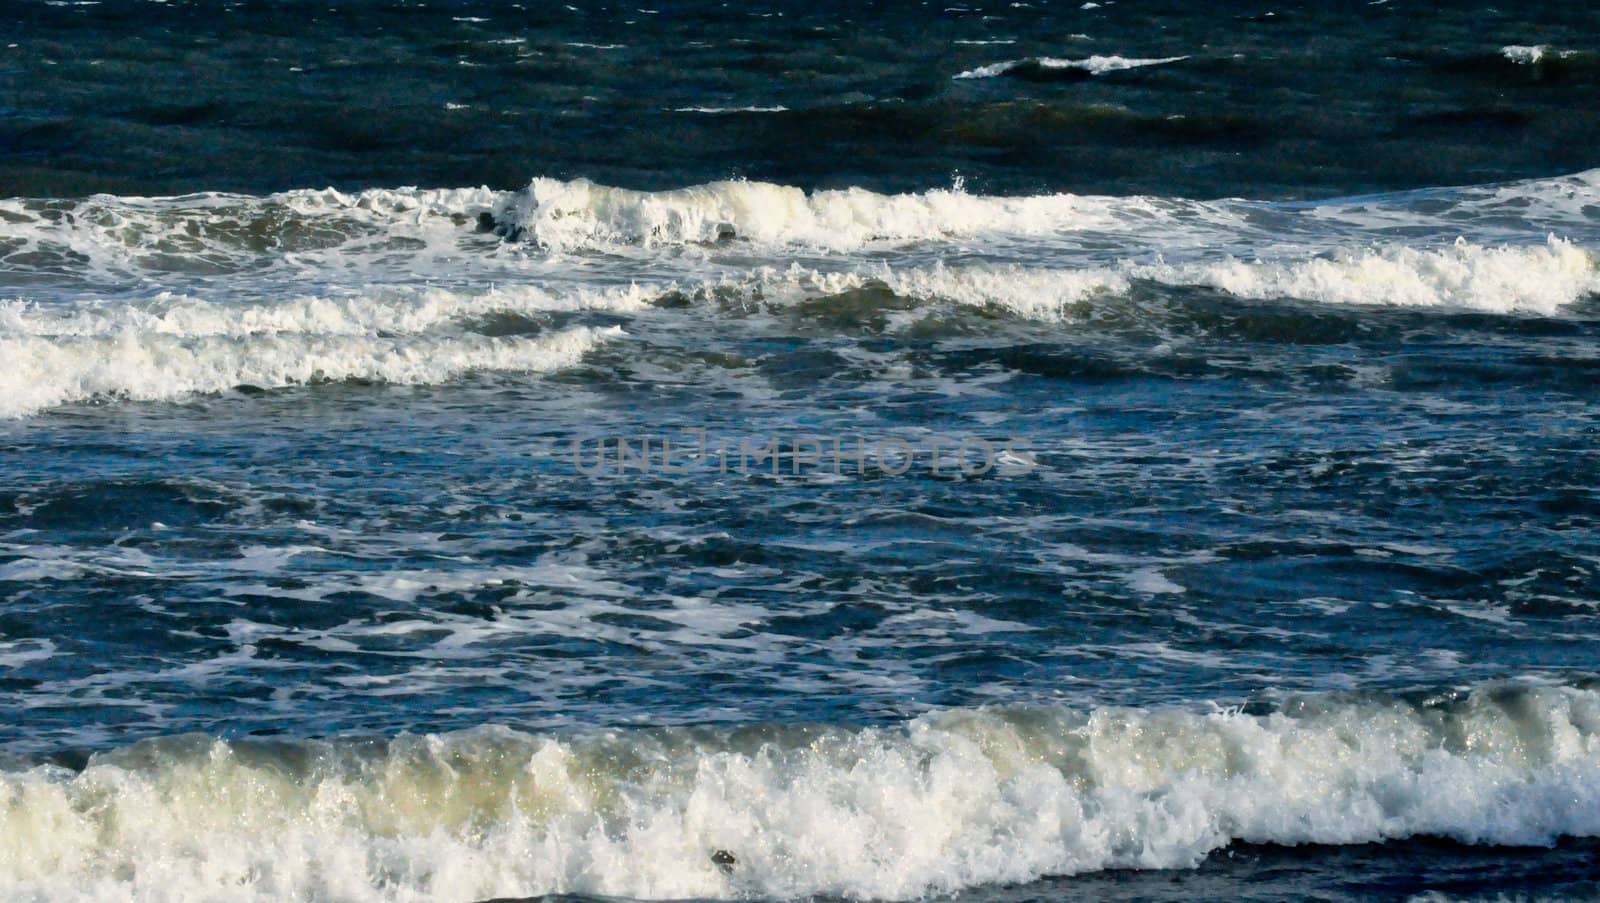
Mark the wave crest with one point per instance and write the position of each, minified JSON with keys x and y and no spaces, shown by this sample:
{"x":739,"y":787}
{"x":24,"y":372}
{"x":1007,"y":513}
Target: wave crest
{"x":1046,"y":68}
{"x":1539,"y":279}
{"x":46,"y":371}
{"x":945,"y":802}
{"x":581,"y":214}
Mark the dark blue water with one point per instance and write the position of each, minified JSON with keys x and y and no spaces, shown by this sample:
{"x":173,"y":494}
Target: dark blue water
{"x":785,"y":452}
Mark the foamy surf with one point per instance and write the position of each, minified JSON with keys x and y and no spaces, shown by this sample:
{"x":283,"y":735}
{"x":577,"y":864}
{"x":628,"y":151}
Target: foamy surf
{"x":1531,"y":54}
{"x":321,"y":285}
{"x":44,"y":372}
{"x":1541,"y":279}
{"x":1092,"y":65}
{"x":173,"y":346}
{"x":107,"y":240}
{"x":945,"y":802}
{"x":376,"y":309}
{"x":579,"y":214}
{"x":401,"y":234}
{"x":726,"y":110}
{"x":1166,"y":452}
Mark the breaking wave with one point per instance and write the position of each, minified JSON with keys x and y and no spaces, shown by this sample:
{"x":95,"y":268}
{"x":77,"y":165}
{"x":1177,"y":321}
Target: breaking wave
{"x":46,"y":371}
{"x":173,"y":346}
{"x":385,"y":309}
{"x":405,"y":232}
{"x":314,"y":286}
{"x":948,"y":801}
{"x":1539,"y":279}
{"x":1530,"y":54}
{"x":581,"y":214}
{"x":1045,"y":67}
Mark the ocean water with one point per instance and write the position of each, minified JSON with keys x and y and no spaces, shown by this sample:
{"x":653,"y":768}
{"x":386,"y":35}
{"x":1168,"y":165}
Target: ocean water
{"x":980,"y":451}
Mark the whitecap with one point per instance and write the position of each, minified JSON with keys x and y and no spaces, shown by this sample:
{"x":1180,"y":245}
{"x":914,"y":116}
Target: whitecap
{"x":946,"y":802}
{"x":1093,"y":65}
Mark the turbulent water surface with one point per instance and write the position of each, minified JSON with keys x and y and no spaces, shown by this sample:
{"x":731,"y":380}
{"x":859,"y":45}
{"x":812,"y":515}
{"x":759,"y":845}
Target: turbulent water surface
{"x":1006,"y":451}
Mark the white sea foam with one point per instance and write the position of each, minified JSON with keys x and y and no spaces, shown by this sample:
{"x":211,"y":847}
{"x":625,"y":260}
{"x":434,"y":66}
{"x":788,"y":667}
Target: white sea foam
{"x":16,"y":653}
{"x":43,"y":372}
{"x":1529,"y":54}
{"x":1523,"y":53}
{"x":948,"y":801}
{"x":120,"y":241}
{"x":720,"y":110}
{"x":327,"y":237}
{"x":174,"y":345}
{"x":1032,"y":293}
{"x":1093,"y":65}
{"x":580,"y":214}
{"x":380,"y":309}
{"x":1536,"y":279}
{"x":759,"y":216}
{"x":1151,"y":580}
